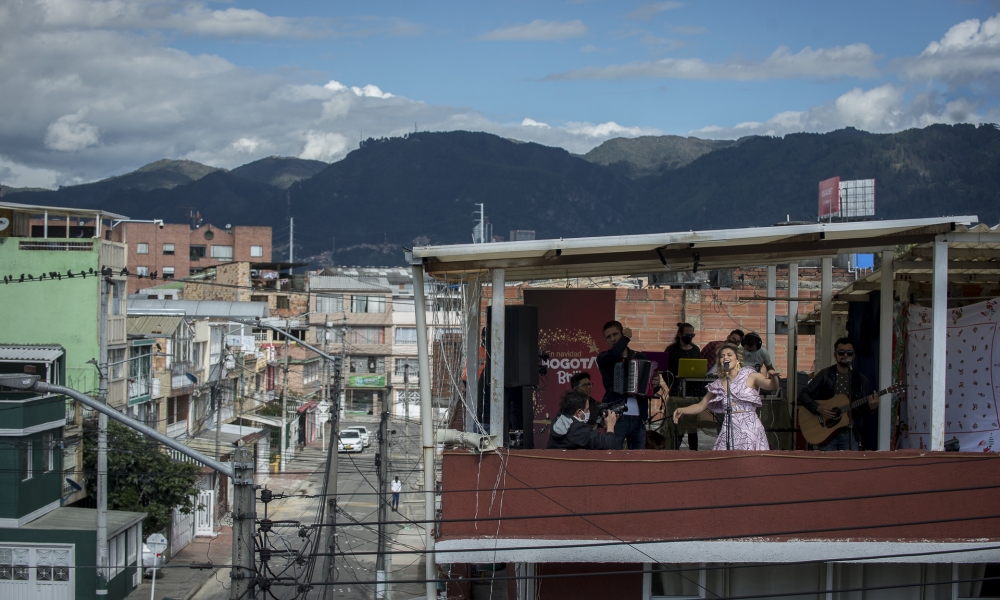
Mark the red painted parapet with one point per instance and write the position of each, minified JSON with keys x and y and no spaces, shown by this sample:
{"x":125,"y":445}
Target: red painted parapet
{"x":881,"y":497}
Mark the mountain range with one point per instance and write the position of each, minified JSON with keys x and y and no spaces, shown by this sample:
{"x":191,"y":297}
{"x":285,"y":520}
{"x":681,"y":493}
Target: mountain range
{"x":424,"y":187}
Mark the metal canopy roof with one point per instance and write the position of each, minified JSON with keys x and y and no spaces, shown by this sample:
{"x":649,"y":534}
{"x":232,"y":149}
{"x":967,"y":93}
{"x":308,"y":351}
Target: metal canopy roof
{"x":30,"y":353}
{"x":153,"y":324}
{"x":683,"y":251}
{"x":198,"y":308}
{"x":61,"y":211}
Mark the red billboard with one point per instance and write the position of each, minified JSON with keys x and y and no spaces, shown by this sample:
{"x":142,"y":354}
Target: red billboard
{"x":829,"y":197}
{"x":569,"y":330}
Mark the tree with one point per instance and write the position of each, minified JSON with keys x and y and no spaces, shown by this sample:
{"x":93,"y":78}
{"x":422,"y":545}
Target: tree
{"x":141,"y":478}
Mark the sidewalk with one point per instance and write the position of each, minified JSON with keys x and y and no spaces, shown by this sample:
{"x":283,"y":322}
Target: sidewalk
{"x":178,"y":583}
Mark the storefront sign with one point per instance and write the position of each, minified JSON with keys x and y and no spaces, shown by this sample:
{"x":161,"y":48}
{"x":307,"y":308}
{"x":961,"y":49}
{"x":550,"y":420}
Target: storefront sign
{"x":366,"y":381}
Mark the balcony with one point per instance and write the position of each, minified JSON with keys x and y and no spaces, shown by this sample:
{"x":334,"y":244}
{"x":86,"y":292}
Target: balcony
{"x":718,"y":507}
{"x":118,"y":393}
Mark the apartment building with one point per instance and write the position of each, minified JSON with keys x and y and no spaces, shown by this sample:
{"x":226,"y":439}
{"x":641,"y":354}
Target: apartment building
{"x":174,"y":251}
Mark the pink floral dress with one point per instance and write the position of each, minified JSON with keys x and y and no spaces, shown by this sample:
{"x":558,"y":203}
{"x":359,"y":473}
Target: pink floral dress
{"x":748,"y":432}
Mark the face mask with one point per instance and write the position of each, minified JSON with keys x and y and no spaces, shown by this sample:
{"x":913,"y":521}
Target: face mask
{"x":687,"y":338}
{"x":586,"y":416}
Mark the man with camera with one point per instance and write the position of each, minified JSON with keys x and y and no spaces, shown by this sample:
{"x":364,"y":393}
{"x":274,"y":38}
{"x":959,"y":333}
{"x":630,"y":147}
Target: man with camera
{"x":570,"y":430}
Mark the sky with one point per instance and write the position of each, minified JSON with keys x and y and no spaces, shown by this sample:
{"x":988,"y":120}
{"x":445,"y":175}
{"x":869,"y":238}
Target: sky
{"x":92,"y":89}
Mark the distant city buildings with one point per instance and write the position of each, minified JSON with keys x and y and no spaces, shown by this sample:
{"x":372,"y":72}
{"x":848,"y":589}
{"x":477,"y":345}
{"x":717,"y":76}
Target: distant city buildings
{"x":522,"y":235}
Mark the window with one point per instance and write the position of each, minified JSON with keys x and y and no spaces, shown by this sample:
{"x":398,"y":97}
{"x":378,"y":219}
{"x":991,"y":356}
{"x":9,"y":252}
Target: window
{"x":256,"y":251}
{"x":27,"y":448}
{"x":310,"y":372}
{"x":335,"y":335}
{"x":299,"y":334}
{"x":329,"y":304}
{"x":367,"y":335}
{"x":116,"y":362}
{"x":258,"y":298}
{"x":168,"y":249}
{"x":118,"y":298}
{"x":14,"y":564}
{"x":168,"y":272}
{"x":677,"y":580}
{"x":142,"y":248}
{"x":177,"y":409}
{"x":139,"y":371}
{"x":368,"y":304}
{"x":282,"y":302}
{"x":401,"y":364}
{"x":222,"y":253}
{"x":142,"y":271}
{"x":196,"y":251}
{"x":49,"y":448}
{"x":406,"y":335}
{"x":367,"y":364}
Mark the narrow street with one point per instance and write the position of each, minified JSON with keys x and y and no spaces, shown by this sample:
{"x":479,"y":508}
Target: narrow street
{"x":357,"y":488}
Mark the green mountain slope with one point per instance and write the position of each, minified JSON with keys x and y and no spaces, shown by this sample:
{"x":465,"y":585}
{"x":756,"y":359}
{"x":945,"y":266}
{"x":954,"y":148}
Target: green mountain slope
{"x":649,"y":155}
{"x":280,"y":171}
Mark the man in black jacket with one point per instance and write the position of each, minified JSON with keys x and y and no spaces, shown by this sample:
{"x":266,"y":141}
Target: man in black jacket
{"x":570,"y":430}
{"x":841,"y":378}
{"x":632,"y":424}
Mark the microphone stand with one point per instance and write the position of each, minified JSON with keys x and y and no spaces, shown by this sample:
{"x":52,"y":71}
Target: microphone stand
{"x":729,"y":408}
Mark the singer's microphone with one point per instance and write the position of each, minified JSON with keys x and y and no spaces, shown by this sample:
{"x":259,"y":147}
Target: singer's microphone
{"x":725,"y":364}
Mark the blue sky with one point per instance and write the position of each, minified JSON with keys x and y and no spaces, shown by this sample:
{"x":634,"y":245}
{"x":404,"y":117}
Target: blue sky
{"x":96,"y":88}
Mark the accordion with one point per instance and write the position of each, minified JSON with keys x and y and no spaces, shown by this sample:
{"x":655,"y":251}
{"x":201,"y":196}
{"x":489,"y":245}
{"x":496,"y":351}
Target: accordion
{"x":633,"y":377}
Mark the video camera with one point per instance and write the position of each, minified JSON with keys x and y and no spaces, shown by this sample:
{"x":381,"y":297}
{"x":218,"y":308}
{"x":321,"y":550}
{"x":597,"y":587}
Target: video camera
{"x":611,"y":407}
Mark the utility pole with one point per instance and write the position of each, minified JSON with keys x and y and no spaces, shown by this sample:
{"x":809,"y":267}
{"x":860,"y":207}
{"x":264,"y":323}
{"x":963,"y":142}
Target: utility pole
{"x":284,"y":411}
{"x":328,"y":534}
{"x":325,"y":388}
{"x":406,"y":398}
{"x":243,"y":573}
{"x":291,"y":239}
{"x":382,"y":469}
{"x":103,"y":371}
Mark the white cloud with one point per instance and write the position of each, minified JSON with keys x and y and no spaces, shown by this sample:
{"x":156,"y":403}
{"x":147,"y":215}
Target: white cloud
{"x":968,"y":51}
{"x":526,"y":122}
{"x":854,"y":60}
{"x":248,"y":145}
{"x":608,"y":130}
{"x":648,"y":11}
{"x":370,"y":91}
{"x":537,"y":30}
{"x":14,"y":174}
{"x":883,"y":109}
{"x":69,"y":133}
{"x":325,"y":146}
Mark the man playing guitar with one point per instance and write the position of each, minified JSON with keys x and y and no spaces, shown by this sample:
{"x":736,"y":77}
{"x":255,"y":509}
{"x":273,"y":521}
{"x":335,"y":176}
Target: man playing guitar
{"x":840,"y":378}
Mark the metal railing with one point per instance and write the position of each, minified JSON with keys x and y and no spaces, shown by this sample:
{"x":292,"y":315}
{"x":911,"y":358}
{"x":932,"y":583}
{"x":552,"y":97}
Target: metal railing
{"x":53,"y":245}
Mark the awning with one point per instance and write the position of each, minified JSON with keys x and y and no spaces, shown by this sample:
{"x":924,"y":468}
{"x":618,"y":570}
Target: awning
{"x":681,"y":251}
{"x":30,"y":353}
{"x":311,"y":405}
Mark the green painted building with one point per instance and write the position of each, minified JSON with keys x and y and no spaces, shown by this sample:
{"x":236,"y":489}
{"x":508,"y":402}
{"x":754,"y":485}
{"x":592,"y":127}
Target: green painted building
{"x":50,"y":294}
{"x":48,"y":550}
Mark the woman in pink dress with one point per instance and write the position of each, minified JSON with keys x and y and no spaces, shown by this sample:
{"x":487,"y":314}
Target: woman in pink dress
{"x":744,"y":384}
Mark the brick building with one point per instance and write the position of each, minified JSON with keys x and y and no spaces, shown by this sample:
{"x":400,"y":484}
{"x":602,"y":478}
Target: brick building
{"x":174,"y":251}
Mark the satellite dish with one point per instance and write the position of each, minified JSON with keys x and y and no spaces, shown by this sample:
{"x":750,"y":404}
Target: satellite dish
{"x":76,"y":486}
{"x":4,"y":223}
{"x":192,"y":377}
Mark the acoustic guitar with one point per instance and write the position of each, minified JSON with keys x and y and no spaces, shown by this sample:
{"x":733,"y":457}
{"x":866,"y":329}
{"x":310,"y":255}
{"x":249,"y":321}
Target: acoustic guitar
{"x":818,"y":430}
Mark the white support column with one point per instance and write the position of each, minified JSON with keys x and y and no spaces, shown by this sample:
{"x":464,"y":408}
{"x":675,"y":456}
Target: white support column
{"x":426,"y":427}
{"x":939,"y":348}
{"x":885,"y":349}
{"x":496,"y":358}
{"x":473,"y":297}
{"x":825,"y":354}
{"x":772,"y":289}
{"x":793,"y":338}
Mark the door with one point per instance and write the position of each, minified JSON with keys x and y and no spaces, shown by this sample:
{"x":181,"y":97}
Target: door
{"x":181,"y":531}
{"x":204,"y":523}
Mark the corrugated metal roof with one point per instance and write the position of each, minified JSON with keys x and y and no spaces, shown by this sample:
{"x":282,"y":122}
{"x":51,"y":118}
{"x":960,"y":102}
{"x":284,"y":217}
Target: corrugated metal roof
{"x":30,"y":352}
{"x":343,"y":283}
{"x":198,"y":308}
{"x":153,"y":324}
{"x":681,"y":251}
{"x":85,"y":519}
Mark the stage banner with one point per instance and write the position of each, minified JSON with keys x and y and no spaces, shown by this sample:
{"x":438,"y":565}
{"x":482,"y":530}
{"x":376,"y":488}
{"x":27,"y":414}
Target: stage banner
{"x":972,"y":382}
{"x":569,"y":330}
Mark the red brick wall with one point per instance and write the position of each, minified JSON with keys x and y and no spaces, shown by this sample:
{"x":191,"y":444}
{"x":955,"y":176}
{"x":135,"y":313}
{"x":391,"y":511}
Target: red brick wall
{"x":182,"y":237}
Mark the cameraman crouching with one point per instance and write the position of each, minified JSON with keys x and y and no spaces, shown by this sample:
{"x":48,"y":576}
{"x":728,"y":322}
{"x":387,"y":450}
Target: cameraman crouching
{"x":570,"y":430}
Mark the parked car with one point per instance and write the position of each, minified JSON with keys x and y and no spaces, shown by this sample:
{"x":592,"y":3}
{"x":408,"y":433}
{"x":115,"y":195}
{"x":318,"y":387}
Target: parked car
{"x":349,"y":440}
{"x":365,"y":436}
{"x":149,"y":560}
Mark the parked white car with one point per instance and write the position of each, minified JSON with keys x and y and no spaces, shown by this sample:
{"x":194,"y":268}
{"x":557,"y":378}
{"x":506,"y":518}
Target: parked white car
{"x":365,"y":436}
{"x":349,"y":440}
{"x":149,"y":560}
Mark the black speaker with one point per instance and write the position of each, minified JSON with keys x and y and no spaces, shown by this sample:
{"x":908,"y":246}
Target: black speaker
{"x":520,"y":357}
